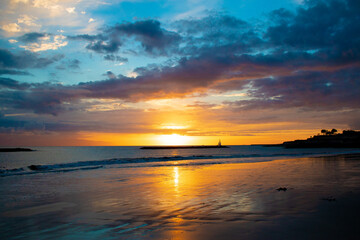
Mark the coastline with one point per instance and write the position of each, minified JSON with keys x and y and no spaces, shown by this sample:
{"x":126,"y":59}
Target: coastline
{"x":195,"y":202}
{"x":182,"y":157}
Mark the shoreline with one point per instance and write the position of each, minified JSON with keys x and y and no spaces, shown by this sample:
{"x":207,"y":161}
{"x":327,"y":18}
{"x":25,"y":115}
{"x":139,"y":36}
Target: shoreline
{"x":192,"y":161}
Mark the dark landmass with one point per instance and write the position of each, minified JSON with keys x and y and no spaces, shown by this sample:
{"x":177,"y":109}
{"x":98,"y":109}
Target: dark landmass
{"x":182,"y":147}
{"x":346,"y":139}
{"x":16,"y":150}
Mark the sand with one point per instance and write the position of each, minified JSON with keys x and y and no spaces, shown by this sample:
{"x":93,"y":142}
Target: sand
{"x":223,"y":201}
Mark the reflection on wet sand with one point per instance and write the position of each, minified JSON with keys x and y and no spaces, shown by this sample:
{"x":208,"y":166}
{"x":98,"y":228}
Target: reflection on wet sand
{"x":205,"y":202}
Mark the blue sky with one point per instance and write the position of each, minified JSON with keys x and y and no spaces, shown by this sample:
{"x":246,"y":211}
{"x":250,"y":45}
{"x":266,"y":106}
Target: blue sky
{"x":86,"y":18}
{"x":252,"y":66}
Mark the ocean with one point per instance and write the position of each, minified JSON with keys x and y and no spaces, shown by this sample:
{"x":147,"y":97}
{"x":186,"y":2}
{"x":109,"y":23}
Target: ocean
{"x":60,"y":159}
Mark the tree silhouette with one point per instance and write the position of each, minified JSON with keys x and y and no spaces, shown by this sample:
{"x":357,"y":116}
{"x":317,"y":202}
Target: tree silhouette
{"x":327,"y":132}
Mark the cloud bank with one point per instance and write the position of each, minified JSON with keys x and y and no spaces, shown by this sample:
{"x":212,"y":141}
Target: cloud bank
{"x":304,"y":59}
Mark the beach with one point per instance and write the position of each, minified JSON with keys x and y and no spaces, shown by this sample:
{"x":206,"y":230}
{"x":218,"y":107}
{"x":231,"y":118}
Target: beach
{"x":217,"y":201}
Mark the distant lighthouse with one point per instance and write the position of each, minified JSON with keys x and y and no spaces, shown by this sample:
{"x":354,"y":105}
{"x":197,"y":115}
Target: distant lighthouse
{"x":219,"y":143}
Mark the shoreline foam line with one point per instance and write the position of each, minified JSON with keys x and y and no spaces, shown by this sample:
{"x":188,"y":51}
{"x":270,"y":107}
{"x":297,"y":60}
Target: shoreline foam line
{"x":164,"y":161}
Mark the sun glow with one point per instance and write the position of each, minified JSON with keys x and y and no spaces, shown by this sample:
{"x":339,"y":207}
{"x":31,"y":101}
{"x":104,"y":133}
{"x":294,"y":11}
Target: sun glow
{"x":174,"y":127}
{"x":173,"y":139}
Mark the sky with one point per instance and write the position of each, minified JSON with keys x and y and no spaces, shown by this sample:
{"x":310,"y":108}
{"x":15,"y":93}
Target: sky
{"x":163,"y":72}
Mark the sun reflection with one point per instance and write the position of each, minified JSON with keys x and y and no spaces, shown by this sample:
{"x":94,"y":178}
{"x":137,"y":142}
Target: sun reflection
{"x":175,"y":152}
{"x":176,"y":177}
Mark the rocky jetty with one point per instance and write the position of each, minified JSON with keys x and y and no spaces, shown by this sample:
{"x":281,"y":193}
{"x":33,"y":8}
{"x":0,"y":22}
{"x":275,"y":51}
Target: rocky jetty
{"x":16,"y":150}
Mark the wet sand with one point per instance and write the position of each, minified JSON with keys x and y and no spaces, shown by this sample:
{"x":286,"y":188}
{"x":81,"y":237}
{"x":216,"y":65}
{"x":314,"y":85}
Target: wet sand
{"x":224,"y":201}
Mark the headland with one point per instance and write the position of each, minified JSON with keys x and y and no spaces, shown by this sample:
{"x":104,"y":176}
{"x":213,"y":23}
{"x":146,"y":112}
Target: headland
{"x":327,"y":139}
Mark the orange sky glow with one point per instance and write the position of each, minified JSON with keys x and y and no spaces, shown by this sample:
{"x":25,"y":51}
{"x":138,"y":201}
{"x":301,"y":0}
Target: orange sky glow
{"x":175,"y":122}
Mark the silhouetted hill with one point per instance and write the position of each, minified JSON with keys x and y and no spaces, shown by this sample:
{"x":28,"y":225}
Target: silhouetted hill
{"x":346,"y":139}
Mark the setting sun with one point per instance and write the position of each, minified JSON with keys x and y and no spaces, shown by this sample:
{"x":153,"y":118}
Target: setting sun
{"x":173,"y":139}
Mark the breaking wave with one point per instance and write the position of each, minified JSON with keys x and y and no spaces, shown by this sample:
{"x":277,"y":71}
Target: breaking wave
{"x":150,"y":162}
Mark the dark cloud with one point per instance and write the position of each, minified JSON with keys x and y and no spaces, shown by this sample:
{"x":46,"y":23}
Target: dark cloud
{"x":32,"y":37}
{"x":12,"y":84}
{"x":25,"y":59}
{"x":110,"y":46}
{"x":70,"y":64}
{"x":46,"y":98}
{"x":19,"y":123}
{"x":74,"y":64}
{"x":187,"y":76}
{"x":100,"y":43}
{"x":217,"y":34}
{"x":202,"y":105}
{"x":156,"y":82}
{"x":154,"y":39}
{"x":215,"y":23}
{"x":333,"y":32}
{"x":11,"y":125}
{"x":111,"y":57}
{"x":13,"y":72}
{"x":87,"y":37}
{"x":110,"y":75}
{"x":310,"y":90}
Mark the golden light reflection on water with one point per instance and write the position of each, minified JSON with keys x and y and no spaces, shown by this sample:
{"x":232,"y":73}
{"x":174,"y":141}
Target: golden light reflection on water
{"x":182,"y":194}
{"x":180,"y":197}
{"x":176,"y":178}
{"x":175,"y":152}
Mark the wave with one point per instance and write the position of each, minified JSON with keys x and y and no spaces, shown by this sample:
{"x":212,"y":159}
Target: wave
{"x":14,"y":170}
{"x":158,"y":161}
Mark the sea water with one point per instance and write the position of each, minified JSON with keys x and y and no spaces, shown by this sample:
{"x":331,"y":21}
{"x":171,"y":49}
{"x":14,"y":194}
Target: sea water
{"x":55,"y":159}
